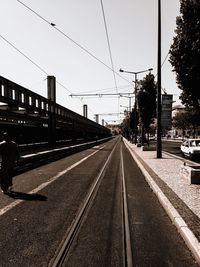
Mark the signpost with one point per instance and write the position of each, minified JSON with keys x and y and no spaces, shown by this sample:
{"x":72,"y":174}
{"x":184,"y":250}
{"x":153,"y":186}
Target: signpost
{"x":166,"y":112}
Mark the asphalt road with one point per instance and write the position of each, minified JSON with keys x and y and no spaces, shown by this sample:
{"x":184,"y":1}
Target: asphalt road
{"x":34,"y":220}
{"x":172,"y":147}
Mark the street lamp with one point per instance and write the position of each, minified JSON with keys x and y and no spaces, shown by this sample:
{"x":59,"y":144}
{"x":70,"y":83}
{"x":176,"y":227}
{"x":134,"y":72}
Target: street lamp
{"x":135,"y":106}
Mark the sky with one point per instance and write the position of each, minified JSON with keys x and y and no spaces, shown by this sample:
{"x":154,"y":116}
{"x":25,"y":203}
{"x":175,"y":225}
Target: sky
{"x":77,"y":51}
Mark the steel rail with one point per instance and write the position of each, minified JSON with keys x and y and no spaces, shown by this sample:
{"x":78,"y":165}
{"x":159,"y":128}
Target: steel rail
{"x":75,"y":227}
{"x":126,"y":228}
{"x":38,"y":158}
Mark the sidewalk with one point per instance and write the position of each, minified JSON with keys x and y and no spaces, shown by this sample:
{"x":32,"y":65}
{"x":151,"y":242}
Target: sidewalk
{"x":180,"y":200}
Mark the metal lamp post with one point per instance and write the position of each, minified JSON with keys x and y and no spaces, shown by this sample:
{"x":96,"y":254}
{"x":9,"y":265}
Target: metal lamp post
{"x":135,"y":106}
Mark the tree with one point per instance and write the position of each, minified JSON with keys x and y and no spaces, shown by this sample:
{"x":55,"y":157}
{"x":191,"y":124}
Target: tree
{"x":133,"y":117}
{"x":187,"y":120}
{"x":185,"y":52}
{"x":147,"y":101}
{"x":125,"y":127}
{"x":180,"y":121}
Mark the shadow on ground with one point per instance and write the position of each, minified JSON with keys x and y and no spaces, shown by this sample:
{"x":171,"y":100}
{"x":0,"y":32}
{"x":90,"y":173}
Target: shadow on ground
{"x":25,"y":196}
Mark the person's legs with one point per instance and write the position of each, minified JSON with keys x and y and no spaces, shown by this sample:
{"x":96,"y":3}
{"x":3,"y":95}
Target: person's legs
{"x":9,"y":178}
{"x":4,"y":185}
{"x":6,"y":180}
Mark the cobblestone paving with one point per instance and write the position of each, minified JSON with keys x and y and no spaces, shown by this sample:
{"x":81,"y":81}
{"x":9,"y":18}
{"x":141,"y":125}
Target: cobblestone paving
{"x":184,"y":197}
{"x":168,"y":169}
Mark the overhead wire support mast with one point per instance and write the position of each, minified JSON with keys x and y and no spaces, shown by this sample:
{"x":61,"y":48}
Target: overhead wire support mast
{"x":100,"y":95}
{"x":109,"y":114}
{"x":135,"y":106}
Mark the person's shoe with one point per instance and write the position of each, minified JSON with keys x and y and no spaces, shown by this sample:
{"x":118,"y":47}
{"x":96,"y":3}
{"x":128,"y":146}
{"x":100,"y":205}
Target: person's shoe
{"x":8,"y":191}
{"x":5,"y":191}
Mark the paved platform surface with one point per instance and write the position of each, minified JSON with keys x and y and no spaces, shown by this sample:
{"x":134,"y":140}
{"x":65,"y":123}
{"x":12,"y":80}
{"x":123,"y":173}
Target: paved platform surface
{"x":180,"y":199}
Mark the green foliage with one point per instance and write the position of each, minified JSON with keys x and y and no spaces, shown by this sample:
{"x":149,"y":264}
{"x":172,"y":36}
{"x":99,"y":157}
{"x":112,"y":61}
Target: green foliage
{"x":180,"y":121}
{"x":125,"y":127}
{"x":133,"y":117}
{"x":146,"y":98}
{"x":185,"y":52}
{"x":128,"y":125}
{"x":189,"y":119}
{"x":147,"y":101}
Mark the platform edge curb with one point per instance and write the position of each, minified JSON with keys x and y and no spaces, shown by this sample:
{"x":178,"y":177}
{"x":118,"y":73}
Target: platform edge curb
{"x":185,"y":232}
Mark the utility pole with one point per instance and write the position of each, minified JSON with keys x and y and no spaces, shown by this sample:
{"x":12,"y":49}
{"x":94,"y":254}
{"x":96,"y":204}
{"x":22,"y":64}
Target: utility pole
{"x":85,"y":111}
{"x":135,"y":105}
{"x":101,"y":95}
{"x":51,"y":93}
{"x":159,"y":128}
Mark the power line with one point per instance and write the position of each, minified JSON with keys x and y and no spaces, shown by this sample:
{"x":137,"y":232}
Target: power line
{"x":165,"y":59}
{"x":108,"y":41}
{"x":110,"y":114}
{"x":161,"y":67}
{"x":40,"y":68}
{"x":163,"y":62}
{"x":71,"y":93}
{"x":24,"y":55}
{"x":35,"y":64}
{"x":73,"y":41}
{"x":105,"y":94}
{"x":124,"y":87}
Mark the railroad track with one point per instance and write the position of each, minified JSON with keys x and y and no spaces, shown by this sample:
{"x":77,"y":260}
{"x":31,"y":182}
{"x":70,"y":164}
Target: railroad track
{"x":64,"y":251}
{"x":91,"y":200}
{"x":35,"y":157}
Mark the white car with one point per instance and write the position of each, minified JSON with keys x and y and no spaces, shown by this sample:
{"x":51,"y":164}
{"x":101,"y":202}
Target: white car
{"x":190,"y":148}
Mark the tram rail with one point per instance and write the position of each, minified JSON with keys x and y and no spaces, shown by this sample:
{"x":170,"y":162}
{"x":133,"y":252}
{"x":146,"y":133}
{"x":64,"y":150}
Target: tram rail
{"x":91,"y":199}
{"x":66,"y":244}
{"x":33,"y":155}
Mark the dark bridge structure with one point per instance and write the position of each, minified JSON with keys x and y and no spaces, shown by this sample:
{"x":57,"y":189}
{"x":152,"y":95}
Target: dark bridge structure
{"x":30,"y":117}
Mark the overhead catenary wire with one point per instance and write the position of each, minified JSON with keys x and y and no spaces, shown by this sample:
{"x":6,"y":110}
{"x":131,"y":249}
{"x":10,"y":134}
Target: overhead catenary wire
{"x":109,"y":46}
{"x":53,"y":25}
{"x":165,"y":59}
{"x":29,"y":59}
{"x":122,"y":87}
{"x":163,"y":62}
{"x":40,"y":68}
{"x":35,"y":64}
{"x":161,"y":67}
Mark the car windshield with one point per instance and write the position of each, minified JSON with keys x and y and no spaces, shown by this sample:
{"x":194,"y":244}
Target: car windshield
{"x":195,"y":143}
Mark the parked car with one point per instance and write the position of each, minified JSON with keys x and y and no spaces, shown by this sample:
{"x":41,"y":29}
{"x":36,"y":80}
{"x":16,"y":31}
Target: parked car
{"x":190,"y":148}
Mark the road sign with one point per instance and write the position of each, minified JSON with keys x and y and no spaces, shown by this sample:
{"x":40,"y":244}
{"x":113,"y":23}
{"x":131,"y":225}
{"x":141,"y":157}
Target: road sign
{"x":166,"y":113}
